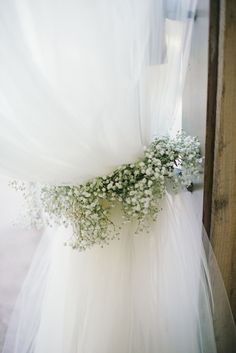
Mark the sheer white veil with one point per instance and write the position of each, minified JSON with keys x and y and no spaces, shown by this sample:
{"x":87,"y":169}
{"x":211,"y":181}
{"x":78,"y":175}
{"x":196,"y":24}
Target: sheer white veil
{"x":85,"y":85}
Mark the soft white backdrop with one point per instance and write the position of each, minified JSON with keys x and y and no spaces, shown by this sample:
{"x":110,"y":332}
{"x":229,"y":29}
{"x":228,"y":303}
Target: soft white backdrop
{"x":76,"y":113}
{"x":17,"y":245}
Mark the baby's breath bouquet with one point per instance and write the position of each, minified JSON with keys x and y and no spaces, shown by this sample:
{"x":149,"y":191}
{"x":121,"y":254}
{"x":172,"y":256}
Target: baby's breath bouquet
{"x":137,"y":188}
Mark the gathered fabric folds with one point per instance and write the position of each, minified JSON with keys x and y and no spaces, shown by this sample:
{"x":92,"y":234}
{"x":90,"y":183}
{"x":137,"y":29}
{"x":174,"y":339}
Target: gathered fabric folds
{"x":141,"y":294}
{"x":85,"y":86}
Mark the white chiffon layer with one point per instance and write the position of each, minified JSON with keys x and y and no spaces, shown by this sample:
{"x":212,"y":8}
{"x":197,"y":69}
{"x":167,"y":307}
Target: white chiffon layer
{"x":143,"y":294}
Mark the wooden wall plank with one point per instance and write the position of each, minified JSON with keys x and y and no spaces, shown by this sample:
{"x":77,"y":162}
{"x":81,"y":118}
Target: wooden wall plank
{"x":211,"y":111}
{"x":219,"y":201}
{"x":223,"y":203}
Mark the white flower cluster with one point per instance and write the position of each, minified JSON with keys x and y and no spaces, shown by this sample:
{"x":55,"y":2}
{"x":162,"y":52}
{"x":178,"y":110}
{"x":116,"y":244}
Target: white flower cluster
{"x":138,"y":188}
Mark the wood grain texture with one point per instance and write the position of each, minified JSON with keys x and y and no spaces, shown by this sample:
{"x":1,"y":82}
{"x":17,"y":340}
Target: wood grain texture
{"x":223,"y":208}
{"x":213,"y":52}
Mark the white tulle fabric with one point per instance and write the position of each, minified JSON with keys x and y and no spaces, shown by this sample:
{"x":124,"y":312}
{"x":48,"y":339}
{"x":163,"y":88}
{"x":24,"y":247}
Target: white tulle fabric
{"x":141,"y":294}
{"x":85,"y":85}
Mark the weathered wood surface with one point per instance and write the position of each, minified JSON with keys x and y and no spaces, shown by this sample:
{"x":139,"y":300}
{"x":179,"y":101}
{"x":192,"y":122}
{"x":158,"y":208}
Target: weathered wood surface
{"x":211,"y":111}
{"x":219,"y":206}
{"x":223,"y":217}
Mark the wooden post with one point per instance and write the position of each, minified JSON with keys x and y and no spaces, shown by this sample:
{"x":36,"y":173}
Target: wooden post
{"x":213,"y":52}
{"x":220,"y":175}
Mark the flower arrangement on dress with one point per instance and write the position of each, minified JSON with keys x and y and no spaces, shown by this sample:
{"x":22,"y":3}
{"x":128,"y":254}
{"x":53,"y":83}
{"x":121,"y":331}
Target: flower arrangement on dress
{"x":168,"y":163}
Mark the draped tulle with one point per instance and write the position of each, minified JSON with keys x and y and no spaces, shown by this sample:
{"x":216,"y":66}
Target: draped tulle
{"x":85,"y":85}
{"x":141,"y":294}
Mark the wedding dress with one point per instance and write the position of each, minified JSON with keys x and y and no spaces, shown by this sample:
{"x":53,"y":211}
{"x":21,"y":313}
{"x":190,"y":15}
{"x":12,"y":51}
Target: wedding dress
{"x":85,"y":86}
